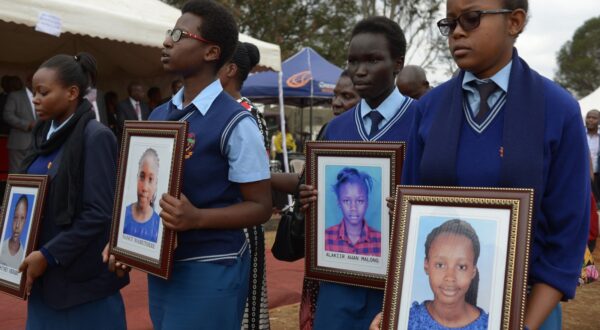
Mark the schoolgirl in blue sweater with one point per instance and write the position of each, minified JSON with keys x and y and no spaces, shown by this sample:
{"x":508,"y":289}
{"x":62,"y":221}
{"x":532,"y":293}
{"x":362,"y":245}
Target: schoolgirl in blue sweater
{"x":226,"y":183}
{"x":68,"y":285}
{"x":528,"y":134}
{"x":375,"y":56}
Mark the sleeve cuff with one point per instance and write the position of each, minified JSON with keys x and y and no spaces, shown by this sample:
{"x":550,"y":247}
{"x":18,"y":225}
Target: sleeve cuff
{"x":49,"y":258}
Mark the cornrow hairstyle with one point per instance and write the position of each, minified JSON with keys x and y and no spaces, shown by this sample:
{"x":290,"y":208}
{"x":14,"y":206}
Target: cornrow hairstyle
{"x":152,"y":156}
{"x":352,"y":175}
{"x":245,"y":57}
{"x":218,"y":26}
{"x":79,"y":70}
{"x":388,"y":28}
{"x":459,"y":227}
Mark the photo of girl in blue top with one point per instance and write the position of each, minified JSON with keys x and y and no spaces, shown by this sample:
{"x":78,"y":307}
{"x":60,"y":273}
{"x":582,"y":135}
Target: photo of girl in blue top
{"x":375,"y":56}
{"x":451,"y":254}
{"x":69,"y":287}
{"x":225,"y":184}
{"x":141,"y":220}
{"x":499,"y":123}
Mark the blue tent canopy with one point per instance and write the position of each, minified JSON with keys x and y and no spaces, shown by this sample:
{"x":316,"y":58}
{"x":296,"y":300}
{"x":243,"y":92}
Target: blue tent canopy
{"x":308,"y":79}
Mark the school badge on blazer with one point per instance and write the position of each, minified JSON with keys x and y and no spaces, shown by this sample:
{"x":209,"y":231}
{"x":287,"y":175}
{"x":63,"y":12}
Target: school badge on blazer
{"x":190,"y":143}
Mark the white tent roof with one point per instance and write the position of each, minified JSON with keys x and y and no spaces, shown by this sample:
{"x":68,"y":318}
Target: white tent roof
{"x":592,"y":101}
{"x":125,"y":37}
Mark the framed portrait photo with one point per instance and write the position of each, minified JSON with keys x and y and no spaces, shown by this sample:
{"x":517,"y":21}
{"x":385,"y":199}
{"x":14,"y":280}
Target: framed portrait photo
{"x":21,"y":212}
{"x":150,"y":165}
{"x":458,"y":251}
{"x":348,"y":228}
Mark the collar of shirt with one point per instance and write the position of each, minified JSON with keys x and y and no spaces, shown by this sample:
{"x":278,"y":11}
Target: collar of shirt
{"x":54,"y":128}
{"x":500,"y":78}
{"x":133,"y":102}
{"x":203,"y":100}
{"x":364,"y":233}
{"x":387,"y":108}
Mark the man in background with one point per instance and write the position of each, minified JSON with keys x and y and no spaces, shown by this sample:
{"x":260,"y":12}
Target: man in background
{"x":412,"y":82}
{"x":19,"y":114}
{"x":132,"y":108}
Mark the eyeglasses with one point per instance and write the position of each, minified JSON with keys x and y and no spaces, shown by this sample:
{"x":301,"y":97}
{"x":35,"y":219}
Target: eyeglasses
{"x":468,"y":21}
{"x":177,"y":34}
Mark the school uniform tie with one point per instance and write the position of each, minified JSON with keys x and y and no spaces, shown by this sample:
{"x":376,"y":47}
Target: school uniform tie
{"x":138,"y":110}
{"x":376,"y":118}
{"x":485,"y":90}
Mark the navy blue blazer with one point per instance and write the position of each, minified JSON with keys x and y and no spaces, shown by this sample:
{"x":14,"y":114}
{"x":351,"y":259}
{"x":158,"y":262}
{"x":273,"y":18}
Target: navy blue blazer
{"x":80,"y":275}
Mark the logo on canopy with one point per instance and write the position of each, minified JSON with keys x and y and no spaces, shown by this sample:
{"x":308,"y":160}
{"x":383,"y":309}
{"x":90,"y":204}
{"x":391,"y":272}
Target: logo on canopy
{"x":299,"y":79}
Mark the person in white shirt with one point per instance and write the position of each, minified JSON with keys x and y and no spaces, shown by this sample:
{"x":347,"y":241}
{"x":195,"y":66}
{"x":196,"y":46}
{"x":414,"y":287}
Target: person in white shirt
{"x":132,"y":108}
{"x":592,"y":118}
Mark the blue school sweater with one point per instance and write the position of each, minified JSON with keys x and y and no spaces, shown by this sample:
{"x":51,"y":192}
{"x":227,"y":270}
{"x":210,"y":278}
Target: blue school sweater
{"x":560,"y":218}
{"x":205,"y":178}
{"x":349,"y":125}
{"x":342,"y":306}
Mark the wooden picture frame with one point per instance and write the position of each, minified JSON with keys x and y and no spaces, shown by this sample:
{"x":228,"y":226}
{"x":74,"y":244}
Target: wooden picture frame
{"x":150,"y":164}
{"x":22,"y":208}
{"x":494,"y":222}
{"x":330,"y":254}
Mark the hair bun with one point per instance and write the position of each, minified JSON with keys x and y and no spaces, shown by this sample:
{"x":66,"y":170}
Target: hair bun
{"x":253,"y":53}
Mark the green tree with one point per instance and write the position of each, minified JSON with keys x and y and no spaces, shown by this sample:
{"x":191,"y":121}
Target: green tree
{"x":579,"y":60}
{"x":425,"y":45}
{"x":294,"y":24}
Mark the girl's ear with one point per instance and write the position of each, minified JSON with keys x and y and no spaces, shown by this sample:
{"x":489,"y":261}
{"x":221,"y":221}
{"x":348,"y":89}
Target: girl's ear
{"x":231,"y":70}
{"x":399,"y":65}
{"x":475,"y":270}
{"x":213,"y":53}
{"x":516,"y":22}
{"x":72,"y":93}
{"x":426,"y":266}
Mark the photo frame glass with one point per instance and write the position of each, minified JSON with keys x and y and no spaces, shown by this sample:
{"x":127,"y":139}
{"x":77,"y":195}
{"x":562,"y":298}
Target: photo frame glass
{"x":490,"y":228}
{"x":146,"y":179}
{"x":150,"y":165}
{"x":458,"y":250}
{"x":348,"y":228}
{"x":339,"y":204}
{"x":22,"y":207}
{"x":17,"y":224}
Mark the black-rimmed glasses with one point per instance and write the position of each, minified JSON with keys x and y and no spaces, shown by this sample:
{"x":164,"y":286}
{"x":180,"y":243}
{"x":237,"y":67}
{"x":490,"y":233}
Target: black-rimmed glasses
{"x":468,"y":21}
{"x":177,"y":34}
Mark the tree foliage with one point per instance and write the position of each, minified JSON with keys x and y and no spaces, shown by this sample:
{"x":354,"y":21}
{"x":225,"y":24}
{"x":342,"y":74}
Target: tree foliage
{"x":425,"y":45}
{"x":579,"y":59}
{"x":325,"y":25}
{"x":293,"y":24}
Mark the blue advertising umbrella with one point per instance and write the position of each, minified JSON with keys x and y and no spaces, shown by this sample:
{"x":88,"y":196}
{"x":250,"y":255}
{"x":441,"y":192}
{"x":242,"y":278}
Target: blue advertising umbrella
{"x":306,"y":75}
{"x":307,"y":79}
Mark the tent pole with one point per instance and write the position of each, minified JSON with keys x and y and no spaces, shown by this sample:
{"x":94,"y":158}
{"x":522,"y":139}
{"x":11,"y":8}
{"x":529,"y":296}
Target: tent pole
{"x":311,"y":119}
{"x":286,"y":167}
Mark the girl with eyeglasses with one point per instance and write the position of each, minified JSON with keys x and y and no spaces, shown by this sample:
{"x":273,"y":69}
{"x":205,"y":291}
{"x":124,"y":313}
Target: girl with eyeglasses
{"x":500,"y":124}
{"x":225,"y":184}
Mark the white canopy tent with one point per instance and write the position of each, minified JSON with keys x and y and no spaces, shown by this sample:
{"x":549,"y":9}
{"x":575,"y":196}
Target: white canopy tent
{"x":592,"y":101}
{"x":125,"y":36}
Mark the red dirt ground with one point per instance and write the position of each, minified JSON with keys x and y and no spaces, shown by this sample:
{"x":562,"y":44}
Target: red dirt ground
{"x":284,"y":288}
